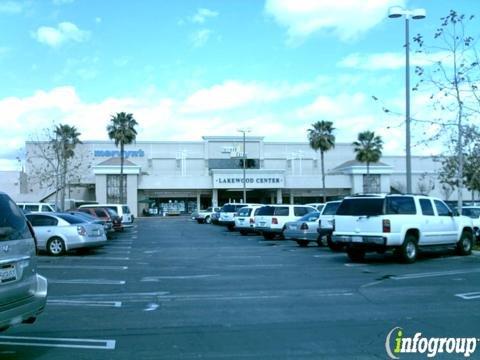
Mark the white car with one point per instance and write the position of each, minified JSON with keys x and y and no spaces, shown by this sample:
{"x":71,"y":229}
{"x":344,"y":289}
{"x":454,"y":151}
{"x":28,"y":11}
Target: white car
{"x":245,"y":219}
{"x":36,"y":207}
{"x":227,"y":214}
{"x":325,"y":222}
{"x":271,"y":219}
{"x":58,"y":233}
{"x":473,"y":212}
{"x":403,"y":223}
{"x":205,"y":216}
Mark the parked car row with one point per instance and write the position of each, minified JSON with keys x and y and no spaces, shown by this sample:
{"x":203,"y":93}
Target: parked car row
{"x":27,"y":229}
{"x":360,"y":224}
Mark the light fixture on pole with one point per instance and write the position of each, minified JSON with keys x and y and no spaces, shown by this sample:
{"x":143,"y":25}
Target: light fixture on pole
{"x":244,"y":131}
{"x":416,"y":14}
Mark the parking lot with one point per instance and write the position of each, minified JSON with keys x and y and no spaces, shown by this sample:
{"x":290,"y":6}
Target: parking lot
{"x":170,"y":288}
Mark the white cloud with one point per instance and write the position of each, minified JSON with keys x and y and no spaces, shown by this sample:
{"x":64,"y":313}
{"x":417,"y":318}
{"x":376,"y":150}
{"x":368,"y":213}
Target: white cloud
{"x":346,"y":19}
{"x":202,"y":15}
{"x":390,"y":61}
{"x":64,"y":32}
{"x":199,"y":38}
{"x":11,"y":7}
{"x":234,"y":94}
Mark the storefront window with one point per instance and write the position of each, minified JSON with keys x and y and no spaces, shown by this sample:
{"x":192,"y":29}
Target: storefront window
{"x":113,"y":189}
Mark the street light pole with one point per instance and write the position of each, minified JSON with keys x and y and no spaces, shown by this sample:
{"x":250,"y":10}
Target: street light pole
{"x":416,"y":14}
{"x":407,"y":108}
{"x":244,"y":131}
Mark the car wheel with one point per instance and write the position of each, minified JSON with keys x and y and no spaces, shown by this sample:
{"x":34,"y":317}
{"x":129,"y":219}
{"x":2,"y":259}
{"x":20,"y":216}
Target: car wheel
{"x":332,"y":245}
{"x":208,"y":220}
{"x":408,"y":251}
{"x":199,"y":221}
{"x":244,"y":232}
{"x":268,"y":236}
{"x":55,"y":246}
{"x":464,"y":246}
{"x":302,"y":243}
{"x":231,"y":227}
{"x":356,"y":255}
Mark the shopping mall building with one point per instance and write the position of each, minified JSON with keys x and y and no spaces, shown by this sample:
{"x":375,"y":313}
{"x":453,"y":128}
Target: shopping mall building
{"x":182,"y":176}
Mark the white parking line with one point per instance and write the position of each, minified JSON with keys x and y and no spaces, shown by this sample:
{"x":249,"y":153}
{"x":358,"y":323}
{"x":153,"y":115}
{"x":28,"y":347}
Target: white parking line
{"x":58,"y":342}
{"x":86,"y":267}
{"x":105,"y":258}
{"x":435,"y":274}
{"x":118,"y":247}
{"x":62,"y":302}
{"x":469,"y":296}
{"x":176,"y":277}
{"x":87,"y":281}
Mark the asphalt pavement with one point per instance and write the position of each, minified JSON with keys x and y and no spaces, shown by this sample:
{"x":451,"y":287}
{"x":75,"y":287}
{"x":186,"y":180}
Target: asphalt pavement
{"x":170,"y":288}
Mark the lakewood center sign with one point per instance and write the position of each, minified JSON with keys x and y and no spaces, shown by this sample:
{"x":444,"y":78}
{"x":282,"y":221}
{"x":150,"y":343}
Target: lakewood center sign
{"x":252,"y":181}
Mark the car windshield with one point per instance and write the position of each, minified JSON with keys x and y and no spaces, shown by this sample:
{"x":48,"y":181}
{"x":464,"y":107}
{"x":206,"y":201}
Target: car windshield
{"x":71,"y":219}
{"x":361,"y":207}
{"x":330,"y":208}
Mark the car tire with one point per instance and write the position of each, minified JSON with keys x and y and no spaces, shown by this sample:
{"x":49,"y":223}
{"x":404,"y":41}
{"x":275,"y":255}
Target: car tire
{"x":208,"y":220}
{"x":244,"y":232}
{"x":356,"y":255}
{"x":409,"y":250}
{"x":268,"y":236}
{"x":465,"y":244}
{"x":199,"y":221}
{"x":333,"y":245}
{"x":231,"y":227}
{"x":302,"y":243}
{"x":55,"y":246}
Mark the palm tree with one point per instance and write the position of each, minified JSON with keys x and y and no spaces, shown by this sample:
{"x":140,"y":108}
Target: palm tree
{"x":66,"y":139}
{"x":122,"y":130}
{"x":368,"y":148}
{"x":321,"y":137}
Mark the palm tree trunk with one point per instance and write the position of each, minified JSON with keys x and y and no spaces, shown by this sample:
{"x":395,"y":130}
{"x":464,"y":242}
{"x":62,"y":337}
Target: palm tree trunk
{"x":64,"y":183}
{"x":368,"y":177}
{"x":323,"y":177}
{"x":121,"y":173}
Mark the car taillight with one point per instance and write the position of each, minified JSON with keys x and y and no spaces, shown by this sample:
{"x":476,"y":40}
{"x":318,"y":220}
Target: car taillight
{"x":274,"y":221}
{"x":304,"y":226}
{"x":81,"y":231}
{"x":32,"y":232}
{"x":386,"y":226}
{"x":252,"y":221}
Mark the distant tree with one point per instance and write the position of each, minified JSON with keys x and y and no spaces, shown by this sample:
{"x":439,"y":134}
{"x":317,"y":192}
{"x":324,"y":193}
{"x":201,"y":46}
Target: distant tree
{"x":453,"y":81}
{"x":122,"y":130}
{"x":66,"y":139}
{"x":54,"y":162}
{"x":425,"y":184}
{"x":368,"y":149}
{"x":321,"y":137}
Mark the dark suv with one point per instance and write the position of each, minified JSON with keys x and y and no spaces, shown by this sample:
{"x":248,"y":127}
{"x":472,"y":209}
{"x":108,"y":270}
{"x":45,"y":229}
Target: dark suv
{"x":23,"y":293}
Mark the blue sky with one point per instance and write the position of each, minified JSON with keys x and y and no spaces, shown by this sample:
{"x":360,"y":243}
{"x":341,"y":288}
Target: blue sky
{"x":192,"y":68}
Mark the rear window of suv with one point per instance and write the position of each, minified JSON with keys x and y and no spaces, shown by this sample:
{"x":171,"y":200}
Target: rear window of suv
{"x":12,"y":222}
{"x":228,"y":208}
{"x":331,"y":208}
{"x":361,"y":207}
{"x":245,"y":211}
{"x":266,"y":211}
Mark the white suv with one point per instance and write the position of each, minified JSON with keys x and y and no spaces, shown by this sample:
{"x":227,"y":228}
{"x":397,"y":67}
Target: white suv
{"x":271,"y":219}
{"x":227,"y":214}
{"x":399,"y":222}
{"x":245,"y":219}
{"x":473,"y":212}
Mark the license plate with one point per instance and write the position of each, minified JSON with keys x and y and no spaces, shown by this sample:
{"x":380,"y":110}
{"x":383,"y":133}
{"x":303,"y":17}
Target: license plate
{"x":262,"y":223}
{"x":8,"y":274}
{"x":357,"y":239}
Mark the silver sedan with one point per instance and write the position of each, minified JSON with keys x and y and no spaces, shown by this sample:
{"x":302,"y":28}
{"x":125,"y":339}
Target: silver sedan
{"x":303,"y":230}
{"x":58,"y":233}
